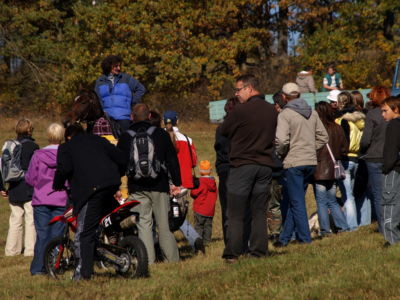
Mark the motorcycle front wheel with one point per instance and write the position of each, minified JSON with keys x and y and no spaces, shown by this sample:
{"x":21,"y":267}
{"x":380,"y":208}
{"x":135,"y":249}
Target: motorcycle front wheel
{"x":59,"y":257}
{"x":136,"y":258}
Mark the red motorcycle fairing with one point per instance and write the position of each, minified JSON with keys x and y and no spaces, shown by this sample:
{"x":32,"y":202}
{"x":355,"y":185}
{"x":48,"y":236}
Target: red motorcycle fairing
{"x":131,"y":204}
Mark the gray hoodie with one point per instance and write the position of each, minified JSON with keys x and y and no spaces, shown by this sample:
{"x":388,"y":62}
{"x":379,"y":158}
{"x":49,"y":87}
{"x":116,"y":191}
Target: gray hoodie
{"x":299,"y":134}
{"x":300,"y":105}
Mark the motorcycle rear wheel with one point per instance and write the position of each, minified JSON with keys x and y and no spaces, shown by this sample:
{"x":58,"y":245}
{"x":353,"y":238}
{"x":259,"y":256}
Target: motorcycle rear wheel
{"x":138,"y":257}
{"x":59,"y":257}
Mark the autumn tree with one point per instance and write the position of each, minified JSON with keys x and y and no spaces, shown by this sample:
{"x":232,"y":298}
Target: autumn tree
{"x":361,"y":38}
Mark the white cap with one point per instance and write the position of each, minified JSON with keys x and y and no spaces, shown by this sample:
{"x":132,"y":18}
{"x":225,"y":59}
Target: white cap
{"x":333,"y":95}
{"x":291,"y":89}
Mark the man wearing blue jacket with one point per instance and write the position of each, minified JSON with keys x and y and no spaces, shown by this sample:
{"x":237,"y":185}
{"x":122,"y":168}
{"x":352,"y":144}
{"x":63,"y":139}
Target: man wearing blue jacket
{"x":118,"y":91}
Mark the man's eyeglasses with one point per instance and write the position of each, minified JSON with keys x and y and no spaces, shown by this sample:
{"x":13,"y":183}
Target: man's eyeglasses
{"x":237,"y":90}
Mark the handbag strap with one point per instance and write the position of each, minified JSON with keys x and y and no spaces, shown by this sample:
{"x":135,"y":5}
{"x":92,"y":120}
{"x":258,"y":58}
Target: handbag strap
{"x":331,"y":154}
{"x":190,"y":152}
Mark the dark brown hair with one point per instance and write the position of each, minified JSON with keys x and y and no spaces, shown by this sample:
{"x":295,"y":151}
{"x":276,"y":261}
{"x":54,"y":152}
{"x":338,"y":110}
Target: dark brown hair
{"x":325,"y":113}
{"x":109,"y":62}
{"x":250,"y":79}
{"x":230,"y":104}
{"x":358,"y":99}
{"x":73,"y":130}
{"x":155,"y":118}
{"x":393,"y":102}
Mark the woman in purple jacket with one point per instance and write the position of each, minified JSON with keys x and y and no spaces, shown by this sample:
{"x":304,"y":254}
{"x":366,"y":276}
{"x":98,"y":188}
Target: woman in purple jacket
{"x":46,"y":202}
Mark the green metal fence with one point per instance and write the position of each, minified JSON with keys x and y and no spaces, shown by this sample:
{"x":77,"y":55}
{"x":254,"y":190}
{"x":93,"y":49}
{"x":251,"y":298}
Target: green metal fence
{"x":217,"y":113}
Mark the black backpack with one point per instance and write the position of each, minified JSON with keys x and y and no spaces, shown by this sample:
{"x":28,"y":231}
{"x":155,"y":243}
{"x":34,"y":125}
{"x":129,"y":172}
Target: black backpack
{"x":143,"y":162}
{"x":11,"y":170}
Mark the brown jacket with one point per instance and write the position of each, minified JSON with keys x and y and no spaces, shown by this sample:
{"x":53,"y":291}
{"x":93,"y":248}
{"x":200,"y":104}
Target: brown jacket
{"x":339,"y":146}
{"x":250,"y":128}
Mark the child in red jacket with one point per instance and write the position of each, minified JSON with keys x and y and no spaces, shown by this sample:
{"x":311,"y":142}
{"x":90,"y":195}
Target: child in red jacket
{"x":204,"y":197}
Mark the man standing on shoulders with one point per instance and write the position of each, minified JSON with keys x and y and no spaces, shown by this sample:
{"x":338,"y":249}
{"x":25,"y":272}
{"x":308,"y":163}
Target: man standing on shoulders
{"x":153,"y":193}
{"x":118,"y":91}
{"x":300,"y":133}
{"x":250,"y":127}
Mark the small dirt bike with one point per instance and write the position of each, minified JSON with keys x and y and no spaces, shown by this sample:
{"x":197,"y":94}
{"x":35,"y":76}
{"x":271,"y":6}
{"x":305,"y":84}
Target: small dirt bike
{"x":126,"y":254}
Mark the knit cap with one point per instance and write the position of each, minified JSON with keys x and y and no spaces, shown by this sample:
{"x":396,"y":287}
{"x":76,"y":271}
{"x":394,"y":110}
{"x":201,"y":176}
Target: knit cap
{"x":205,"y":167}
{"x":102,"y":127}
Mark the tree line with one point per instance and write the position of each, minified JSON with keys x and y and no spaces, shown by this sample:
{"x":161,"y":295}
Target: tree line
{"x":187,"y":53}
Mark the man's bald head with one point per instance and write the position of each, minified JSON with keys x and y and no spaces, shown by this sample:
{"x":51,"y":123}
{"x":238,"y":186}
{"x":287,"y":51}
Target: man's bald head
{"x":140,"y":112}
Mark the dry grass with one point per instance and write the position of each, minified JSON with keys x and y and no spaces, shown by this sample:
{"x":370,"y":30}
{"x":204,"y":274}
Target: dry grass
{"x":347,"y":266}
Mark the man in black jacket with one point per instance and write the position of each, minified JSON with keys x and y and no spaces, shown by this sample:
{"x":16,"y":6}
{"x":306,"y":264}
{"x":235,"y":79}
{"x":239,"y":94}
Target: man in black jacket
{"x":250,"y":127}
{"x":92,"y":165}
{"x":153,"y":194}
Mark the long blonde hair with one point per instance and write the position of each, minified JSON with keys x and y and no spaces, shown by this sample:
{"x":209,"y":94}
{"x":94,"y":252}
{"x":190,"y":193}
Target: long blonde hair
{"x":170,"y":129}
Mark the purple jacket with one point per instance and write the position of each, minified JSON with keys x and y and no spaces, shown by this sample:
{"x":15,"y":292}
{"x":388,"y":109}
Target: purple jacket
{"x":40,"y":175}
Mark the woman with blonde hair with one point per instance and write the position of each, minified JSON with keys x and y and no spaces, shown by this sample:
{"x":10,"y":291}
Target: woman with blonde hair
{"x":46,"y":202}
{"x":352,"y":122}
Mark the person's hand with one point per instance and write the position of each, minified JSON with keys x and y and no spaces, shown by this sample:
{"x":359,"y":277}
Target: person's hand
{"x":118,"y":196}
{"x":174,"y":190}
{"x":4,"y":193}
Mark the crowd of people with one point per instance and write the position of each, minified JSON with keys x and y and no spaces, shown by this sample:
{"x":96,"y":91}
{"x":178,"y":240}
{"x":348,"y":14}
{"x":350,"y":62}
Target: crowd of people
{"x":90,"y":164}
{"x":266,"y":156}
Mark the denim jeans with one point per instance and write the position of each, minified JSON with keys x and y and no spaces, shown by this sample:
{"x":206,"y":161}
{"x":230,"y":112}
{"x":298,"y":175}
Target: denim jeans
{"x":346,"y":188}
{"x":42,"y":214}
{"x":375,"y":178}
{"x":294,"y":206}
{"x":190,"y":233}
{"x":325,"y":195}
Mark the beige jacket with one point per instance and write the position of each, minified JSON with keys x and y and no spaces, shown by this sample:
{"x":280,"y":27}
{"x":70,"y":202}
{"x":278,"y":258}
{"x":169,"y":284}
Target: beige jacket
{"x":299,"y":134}
{"x":306,"y":83}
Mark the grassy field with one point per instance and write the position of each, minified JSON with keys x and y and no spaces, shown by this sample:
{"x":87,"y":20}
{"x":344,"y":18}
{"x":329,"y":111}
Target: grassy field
{"x":346,"y":266}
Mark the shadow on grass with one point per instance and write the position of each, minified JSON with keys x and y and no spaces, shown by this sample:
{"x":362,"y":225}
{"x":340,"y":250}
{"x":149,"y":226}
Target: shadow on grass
{"x":186,"y":252}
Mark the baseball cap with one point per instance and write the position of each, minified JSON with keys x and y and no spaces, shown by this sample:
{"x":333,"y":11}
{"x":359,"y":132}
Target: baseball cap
{"x":333,"y":95}
{"x":170,"y":116}
{"x":291,"y":89}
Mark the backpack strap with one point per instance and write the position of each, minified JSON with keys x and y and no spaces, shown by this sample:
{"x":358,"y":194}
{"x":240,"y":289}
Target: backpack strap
{"x":151,"y":129}
{"x":131,"y":133}
{"x":24,"y":140}
{"x":191,"y":155}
